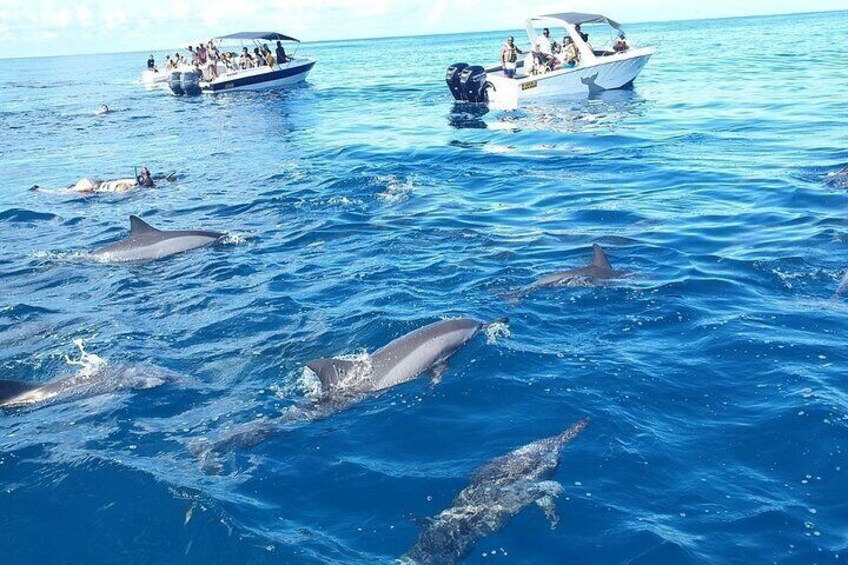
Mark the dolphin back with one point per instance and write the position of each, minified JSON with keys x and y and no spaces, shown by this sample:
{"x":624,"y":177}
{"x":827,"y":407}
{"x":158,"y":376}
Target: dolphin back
{"x":12,"y":389}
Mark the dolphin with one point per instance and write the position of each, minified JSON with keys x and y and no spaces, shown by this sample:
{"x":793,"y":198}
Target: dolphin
{"x":498,"y":490}
{"x":18,"y":394}
{"x":346,"y":382}
{"x":597,"y":272}
{"x":146,"y":242}
{"x":399,"y":361}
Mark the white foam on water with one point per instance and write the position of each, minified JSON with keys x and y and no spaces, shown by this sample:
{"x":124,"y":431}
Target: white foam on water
{"x":395,"y":190}
{"x":496,"y":331}
{"x":234,"y":238}
{"x":89,"y":364}
{"x":309,"y":384}
{"x":62,"y":256}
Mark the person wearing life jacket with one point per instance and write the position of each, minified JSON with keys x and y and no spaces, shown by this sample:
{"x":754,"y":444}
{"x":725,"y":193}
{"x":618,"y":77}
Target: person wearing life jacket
{"x":509,"y":57}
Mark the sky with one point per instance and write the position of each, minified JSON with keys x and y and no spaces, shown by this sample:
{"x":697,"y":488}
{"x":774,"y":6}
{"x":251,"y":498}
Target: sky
{"x":32,"y":28}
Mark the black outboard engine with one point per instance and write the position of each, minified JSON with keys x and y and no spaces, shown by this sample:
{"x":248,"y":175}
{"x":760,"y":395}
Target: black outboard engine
{"x":452,"y":78}
{"x":190,"y":82}
{"x":472,"y":83}
{"x":175,"y":84}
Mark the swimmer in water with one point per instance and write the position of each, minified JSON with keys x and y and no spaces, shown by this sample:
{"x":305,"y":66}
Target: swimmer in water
{"x":89,"y":185}
{"x":104,"y":109}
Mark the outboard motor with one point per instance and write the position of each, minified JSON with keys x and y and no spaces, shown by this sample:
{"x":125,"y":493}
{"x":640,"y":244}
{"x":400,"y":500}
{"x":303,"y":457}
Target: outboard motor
{"x":190,"y":82}
{"x":472,"y":82}
{"x":452,"y":78}
{"x":175,"y":84}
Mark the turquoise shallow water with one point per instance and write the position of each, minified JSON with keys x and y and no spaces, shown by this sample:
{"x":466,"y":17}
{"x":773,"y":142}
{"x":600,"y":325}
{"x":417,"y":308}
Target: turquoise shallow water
{"x":366,"y":204}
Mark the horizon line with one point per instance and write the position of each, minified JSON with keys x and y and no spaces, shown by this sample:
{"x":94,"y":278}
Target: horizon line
{"x":388,"y":37}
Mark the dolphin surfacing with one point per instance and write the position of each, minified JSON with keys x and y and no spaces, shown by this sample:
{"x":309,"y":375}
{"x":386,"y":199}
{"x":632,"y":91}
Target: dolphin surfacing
{"x":146,"y":243}
{"x":346,"y":382}
{"x":18,"y":394}
{"x":498,"y":490}
{"x":399,"y":361}
{"x":597,"y":271}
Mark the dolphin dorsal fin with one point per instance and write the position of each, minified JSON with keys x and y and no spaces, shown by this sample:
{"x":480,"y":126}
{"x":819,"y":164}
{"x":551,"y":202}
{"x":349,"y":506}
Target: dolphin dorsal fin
{"x":599,"y":257}
{"x":137,"y":226}
{"x":11,"y":389}
{"x":331,"y":371}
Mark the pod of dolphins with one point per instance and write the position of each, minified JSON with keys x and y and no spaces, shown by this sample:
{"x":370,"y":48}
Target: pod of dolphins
{"x":497,"y":491}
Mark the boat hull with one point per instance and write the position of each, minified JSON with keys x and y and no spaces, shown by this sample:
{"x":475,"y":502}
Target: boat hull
{"x":284,"y":75}
{"x":153,"y":77}
{"x":607,"y":73}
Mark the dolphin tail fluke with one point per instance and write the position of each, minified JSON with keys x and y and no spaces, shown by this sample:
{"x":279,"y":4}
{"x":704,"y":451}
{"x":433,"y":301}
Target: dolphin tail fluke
{"x":11,"y":389}
{"x":599,"y":257}
{"x":331,"y":371}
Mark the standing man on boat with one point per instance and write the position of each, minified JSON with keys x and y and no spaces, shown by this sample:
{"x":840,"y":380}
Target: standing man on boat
{"x":509,"y":57}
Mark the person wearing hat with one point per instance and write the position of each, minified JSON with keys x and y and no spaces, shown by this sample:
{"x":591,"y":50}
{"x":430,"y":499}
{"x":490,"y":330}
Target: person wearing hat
{"x":509,"y":57}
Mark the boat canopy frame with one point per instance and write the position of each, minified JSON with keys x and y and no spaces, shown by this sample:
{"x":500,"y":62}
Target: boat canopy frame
{"x":570,"y":21}
{"x":257,"y":35}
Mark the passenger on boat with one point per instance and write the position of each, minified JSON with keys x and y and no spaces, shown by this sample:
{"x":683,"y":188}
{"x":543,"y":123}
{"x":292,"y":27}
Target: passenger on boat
{"x":621,"y":45}
{"x":509,"y":57}
{"x":202,"y":56}
{"x":245,"y":61}
{"x":570,"y":53}
{"x":213,"y":56}
{"x":258,"y":59}
{"x":170,"y":65}
{"x":229,"y":60}
{"x":267,"y":57}
{"x":151,"y":64}
{"x":542,"y":49}
{"x":281,"y":54}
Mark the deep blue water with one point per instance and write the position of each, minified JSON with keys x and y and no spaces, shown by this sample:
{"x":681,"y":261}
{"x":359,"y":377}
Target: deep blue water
{"x":364,"y":205}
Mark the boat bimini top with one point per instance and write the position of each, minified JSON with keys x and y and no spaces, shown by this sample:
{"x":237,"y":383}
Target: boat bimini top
{"x":569,"y":20}
{"x":256,"y":36}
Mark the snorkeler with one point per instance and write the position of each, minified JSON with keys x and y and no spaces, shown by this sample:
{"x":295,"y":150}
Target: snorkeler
{"x":89,"y":185}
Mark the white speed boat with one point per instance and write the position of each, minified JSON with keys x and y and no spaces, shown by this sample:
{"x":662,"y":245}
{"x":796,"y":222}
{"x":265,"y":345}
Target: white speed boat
{"x":232,"y":72}
{"x":595,"y":70}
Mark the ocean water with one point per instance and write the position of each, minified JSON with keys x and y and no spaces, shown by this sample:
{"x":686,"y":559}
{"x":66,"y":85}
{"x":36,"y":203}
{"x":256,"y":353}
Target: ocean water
{"x":366,"y":204}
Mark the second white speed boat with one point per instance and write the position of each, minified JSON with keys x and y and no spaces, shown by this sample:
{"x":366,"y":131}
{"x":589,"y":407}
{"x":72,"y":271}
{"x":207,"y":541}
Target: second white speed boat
{"x":544,"y":75}
{"x":234,"y":70}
